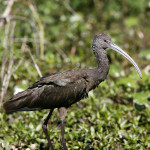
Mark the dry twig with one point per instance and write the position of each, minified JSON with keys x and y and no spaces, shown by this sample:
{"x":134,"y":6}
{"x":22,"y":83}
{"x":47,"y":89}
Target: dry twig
{"x":7,"y":72}
{"x":5,"y":16}
{"x":35,"y":64}
{"x":23,"y":47}
{"x":41,"y":32}
{"x":61,"y":52}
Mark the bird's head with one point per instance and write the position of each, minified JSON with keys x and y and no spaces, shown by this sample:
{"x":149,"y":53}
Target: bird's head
{"x":102,"y":41}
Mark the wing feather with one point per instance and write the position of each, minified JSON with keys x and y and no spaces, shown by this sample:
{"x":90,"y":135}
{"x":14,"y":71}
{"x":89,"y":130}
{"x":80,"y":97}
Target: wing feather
{"x":57,"y":90}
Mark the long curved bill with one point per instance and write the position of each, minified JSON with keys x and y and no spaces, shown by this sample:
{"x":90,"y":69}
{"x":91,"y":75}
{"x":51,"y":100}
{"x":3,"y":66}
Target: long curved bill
{"x":119,"y":50}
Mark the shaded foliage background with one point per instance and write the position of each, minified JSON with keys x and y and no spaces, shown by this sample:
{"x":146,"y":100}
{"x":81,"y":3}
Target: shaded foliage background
{"x":59,"y":35}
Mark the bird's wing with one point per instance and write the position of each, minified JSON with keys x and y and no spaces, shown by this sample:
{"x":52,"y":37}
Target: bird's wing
{"x":60,"y":78}
{"x":57,"y":90}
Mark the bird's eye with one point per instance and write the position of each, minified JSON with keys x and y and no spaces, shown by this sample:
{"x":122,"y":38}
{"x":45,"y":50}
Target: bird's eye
{"x":106,"y":41}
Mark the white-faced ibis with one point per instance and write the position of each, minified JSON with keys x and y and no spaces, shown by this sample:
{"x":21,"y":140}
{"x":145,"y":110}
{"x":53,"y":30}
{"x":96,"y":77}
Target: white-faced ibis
{"x":62,"y":89}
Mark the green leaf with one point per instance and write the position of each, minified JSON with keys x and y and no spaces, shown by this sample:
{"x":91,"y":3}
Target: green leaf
{"x":131,"y":21}
{"x":145,"y":54}
{"x":140,"y":98}
{"x":127,"y":81}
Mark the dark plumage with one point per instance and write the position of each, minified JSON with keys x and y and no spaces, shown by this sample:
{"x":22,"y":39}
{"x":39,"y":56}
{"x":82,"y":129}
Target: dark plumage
{"x":62,"y":89}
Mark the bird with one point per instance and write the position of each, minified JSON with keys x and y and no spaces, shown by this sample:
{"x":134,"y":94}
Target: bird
{"x":62,"y":89}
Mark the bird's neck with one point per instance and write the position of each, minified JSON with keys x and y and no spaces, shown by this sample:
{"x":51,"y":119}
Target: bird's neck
{"x":103,"y":63}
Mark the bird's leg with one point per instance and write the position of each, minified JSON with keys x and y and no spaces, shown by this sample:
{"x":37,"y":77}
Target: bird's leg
{"x":45,"y":129}
{"x":63,"y":112}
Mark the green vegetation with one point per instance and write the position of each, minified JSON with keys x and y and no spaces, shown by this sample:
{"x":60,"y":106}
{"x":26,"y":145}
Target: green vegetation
{"x":59,"y":35}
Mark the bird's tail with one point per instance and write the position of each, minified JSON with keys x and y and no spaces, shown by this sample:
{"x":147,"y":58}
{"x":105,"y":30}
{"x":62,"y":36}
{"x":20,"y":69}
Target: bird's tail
{"x":18,"y":102}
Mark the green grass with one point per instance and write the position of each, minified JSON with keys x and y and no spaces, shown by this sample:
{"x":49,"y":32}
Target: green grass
{"x":117,"y":114}
{"x":103,"y":121}
{"x":105,"y":126}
